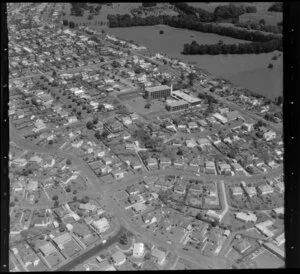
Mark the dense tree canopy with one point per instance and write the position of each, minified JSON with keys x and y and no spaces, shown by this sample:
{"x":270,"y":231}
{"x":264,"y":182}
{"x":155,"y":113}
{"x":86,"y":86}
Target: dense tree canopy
{"x":278,"y":7}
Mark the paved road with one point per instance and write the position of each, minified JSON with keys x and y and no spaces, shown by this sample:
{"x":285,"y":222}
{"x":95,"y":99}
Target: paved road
{"x":225,"y":200}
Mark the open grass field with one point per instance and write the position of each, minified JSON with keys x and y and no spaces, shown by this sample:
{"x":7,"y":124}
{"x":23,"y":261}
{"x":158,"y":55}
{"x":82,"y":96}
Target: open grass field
{"x":138,"y":105}
{"x":268,"y":260}
{"x":56,"y":190}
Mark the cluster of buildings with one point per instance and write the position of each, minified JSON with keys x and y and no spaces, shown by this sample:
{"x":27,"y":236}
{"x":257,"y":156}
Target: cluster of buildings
{"x":69,"y":234}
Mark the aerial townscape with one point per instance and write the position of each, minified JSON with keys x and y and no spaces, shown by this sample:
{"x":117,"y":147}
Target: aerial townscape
{"x":125,"y":157}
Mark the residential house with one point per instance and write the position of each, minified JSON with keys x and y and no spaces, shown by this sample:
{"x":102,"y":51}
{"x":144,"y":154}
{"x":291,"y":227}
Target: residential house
{"x":165,"y":162}
{"x":263,"y":228}
{"x":118,"y":174}
{"x":119,"y":258}
{"x":101,"y":225}
{"x":251,"y":191}
{"x":265,"y":189}
{"x":247,"y":126}
{"x":225,"y":169}
{"x":62,"y":239}
{"x":242,"y":246}
{"x":191,"y":143}
{"x":246,"y":217}
{"x":47,"y":249}
{"x":236,"y":190}
{"x":152,"y":163}
{"x":138,"y":250}
{"x":269,"y":135}
{"x":220,"y":118}
{"x":279,"y":187}
{"x":180,"y":189}
{"x":210,"y":167}
{"x":233,"y":115}
{"x":159,"y":255}
{"x":179,"y":163}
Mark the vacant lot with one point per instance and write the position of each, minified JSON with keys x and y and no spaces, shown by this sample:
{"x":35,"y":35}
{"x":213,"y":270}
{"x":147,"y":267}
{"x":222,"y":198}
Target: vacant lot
{"x":56,"y":190}
{"x":138,"y":105}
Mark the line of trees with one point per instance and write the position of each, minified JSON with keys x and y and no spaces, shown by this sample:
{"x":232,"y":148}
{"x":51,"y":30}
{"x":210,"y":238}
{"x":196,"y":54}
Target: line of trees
{"x":187,"y":22}
{"x":241,"y":48}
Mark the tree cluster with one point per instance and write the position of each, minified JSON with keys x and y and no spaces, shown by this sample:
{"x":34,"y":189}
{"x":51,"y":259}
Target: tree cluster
{"x":185,"y":10}
{"x":277,"y":7}
{"x":228,"y":12}
{"x":149,"y":4}
{"x":77,"y":9}
{"x":278,"y":100}
{"x":260,"y":26}
{"x":250,"y":9}
{"x":242,"y":48}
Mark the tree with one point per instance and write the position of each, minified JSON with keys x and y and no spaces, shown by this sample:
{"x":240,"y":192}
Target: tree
{"x":34,"y":101}
{"x":71,"y":25}
{"x":55,"y":198}
{"x":278,"y":100}
{"x":68,"y":162}
{"x":270,"y":65}
{"x":85,"y":199}
{"x":89,"y":125}
{"x":98,"y":135}
{"x":65,"y":22}
{"x":262,"y":22}
{"x":95,"y":120}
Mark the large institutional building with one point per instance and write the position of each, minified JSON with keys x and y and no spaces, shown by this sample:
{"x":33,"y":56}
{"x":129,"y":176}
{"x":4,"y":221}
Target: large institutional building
{"x":158,"y":92}
{"x":180,"y":99}
{"x":176,"y":105}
